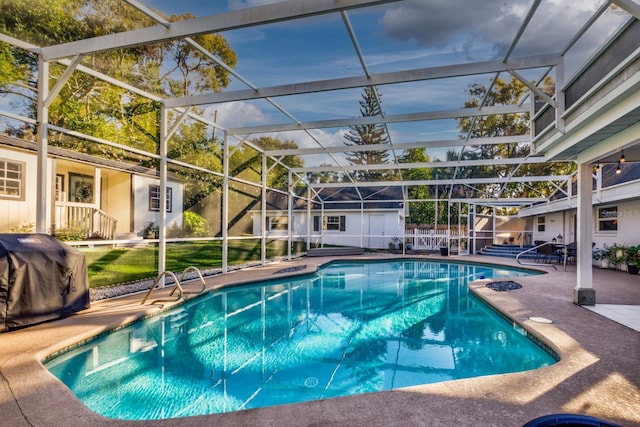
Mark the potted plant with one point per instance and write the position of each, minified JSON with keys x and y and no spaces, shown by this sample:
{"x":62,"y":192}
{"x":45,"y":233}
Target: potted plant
{"x":617,"y":255}
{"x":394,"y":243}
{"x":407,"y":244}
{"x":602,"y":255}
{"x":632,"y":259}
{"x":150,"y":231}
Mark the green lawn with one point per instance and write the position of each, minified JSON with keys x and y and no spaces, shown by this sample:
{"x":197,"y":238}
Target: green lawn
{"x":109,"y":266}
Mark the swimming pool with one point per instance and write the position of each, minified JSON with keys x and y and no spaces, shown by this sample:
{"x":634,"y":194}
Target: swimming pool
{"x":351,"y":328}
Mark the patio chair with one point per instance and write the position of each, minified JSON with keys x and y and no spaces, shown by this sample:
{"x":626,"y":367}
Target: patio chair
{"x":572,"y":251}
{"x":538,"y":253}
{"x":544,"y":252}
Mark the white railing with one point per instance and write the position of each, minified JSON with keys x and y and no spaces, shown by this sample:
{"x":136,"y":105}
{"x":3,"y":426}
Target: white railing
{"x":431,"y":238}
{"x":92,"y":221}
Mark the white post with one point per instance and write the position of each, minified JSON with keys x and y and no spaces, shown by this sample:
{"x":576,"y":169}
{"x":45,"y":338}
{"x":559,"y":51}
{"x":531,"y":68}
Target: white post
{"x":42,"y":151}
{"x":583,"y":293}
{"x":309,"y":218}
{"x":162,"y":221}
{"x":290,"y":199}
{"x":263,"y":212}
{"x":225,"y":204}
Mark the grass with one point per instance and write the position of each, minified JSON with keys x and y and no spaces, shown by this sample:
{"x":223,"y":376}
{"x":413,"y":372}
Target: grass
{"x":110,"y":266}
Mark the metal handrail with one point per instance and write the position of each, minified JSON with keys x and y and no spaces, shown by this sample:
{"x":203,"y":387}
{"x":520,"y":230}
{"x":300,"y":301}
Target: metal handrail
{"x":538,"y":264}
{"x":184,"y":273}
{"x":177,"y":286}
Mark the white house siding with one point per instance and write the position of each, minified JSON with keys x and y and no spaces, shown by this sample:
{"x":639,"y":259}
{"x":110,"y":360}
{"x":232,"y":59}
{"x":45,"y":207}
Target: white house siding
{"x":142,"y":214}
{"x":356,"y":231}
{"x":563,"y":223}
{"x":16,"y":213}
{"x":628,"y":232}
{"x":555,"y":223}
{"x":116,"y":199}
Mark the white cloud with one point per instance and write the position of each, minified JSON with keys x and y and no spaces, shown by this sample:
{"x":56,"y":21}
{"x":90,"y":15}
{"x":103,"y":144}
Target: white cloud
{"x":237,"y":114}
{"x":491,"y":24}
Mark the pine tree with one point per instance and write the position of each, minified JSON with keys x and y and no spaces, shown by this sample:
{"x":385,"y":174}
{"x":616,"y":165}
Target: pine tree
{"x":366,"y":135}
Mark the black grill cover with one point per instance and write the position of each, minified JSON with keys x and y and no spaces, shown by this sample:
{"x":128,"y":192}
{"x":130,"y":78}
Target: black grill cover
{"x":41,"y":279}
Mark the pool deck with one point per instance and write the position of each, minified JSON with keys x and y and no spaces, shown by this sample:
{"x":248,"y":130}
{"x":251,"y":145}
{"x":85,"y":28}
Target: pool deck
{"x":598,"y":374}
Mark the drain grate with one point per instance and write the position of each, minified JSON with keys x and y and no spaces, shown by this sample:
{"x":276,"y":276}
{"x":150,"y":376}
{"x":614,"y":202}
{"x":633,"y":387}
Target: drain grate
{"x":504,"y":286}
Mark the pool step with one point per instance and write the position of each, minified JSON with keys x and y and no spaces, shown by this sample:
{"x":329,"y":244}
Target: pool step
{"x":507,"y":251}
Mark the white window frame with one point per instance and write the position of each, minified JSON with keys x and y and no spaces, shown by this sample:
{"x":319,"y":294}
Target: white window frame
{"x":12,"y":180}
{"x":605,"y":214}
{"x":278,"y":223}
{"x":154,"y":198}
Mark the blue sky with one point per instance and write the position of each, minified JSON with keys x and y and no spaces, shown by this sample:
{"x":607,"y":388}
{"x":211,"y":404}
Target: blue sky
{"x":399,"y":36}
{"x":406,"y":35}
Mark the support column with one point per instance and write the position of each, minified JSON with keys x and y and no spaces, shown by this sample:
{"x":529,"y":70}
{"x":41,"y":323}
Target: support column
{"x":225,"y":204}
{"x":42,"y":146}
{"x":290,"y":200}
{"x":309,"y":219}
{"x":263,"y":212}
{"x":162,"y":220}
{"x":583,"y":293}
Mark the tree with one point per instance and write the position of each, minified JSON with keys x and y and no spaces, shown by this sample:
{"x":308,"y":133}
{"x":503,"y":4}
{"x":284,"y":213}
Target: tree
{"x":92,"y":106}
{"x":325,"y":176}
{"x":419,"y":212}
{"x":505,"y":93}
{"x":368,"y":134}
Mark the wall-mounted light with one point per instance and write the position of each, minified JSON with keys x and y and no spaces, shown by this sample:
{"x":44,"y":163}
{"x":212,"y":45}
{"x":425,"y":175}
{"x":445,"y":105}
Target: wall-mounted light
{"x":622,"y":159}
{"x":598,"y":167}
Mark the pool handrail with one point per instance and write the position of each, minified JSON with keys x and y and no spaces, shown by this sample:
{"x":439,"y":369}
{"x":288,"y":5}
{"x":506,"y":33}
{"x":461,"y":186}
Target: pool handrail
{"x":177,"y":286}
{"x":535,"y":248}
{"x":155,"y":283}
{"x":200,"y":278}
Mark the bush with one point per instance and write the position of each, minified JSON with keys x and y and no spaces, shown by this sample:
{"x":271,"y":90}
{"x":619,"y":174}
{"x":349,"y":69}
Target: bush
{"x":24,"y":228}
{"x":194,"y":225}
{"x":69,"y":234}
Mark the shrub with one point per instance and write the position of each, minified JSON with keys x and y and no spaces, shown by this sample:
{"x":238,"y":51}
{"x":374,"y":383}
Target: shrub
{"x":24,"y":228}
{"x":70,"y":234}
{"x":194,"y":225}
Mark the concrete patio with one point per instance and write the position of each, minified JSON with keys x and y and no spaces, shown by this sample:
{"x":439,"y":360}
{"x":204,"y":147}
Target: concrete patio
{"x":598,"y":374}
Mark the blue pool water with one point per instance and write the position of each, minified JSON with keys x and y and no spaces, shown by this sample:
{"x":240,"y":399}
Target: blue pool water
{"x":351,"y":328}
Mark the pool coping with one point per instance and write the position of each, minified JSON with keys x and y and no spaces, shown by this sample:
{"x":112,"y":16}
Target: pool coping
{"x":597,"y":374}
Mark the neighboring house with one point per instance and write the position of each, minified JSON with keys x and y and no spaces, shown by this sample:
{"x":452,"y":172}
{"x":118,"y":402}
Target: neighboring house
{"x":375,"y":223}
{"x":103,"y":198}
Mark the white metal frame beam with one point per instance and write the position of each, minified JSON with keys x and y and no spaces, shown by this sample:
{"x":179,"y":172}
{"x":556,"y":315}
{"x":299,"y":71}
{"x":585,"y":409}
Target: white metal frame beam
{"x":420,"y":74}
{"x":398,"y":118}
{"x":272,"y":13}
{"x":443,"y":164}
{"x":488,"y":180}
{"x":519,"y":139}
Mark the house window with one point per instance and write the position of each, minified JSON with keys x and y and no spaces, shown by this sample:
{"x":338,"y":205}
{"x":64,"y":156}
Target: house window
{"x":154,"y":198}
{"x":608,"y":218}
{"x":331,"y":222}
{"x":541,"y":222}
{"x":12,"y":180}
{"x":278,"y":223}
{"x":334,"y":222}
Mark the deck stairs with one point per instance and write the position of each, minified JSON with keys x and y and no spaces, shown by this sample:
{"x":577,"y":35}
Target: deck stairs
{"x":507,"y":251}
